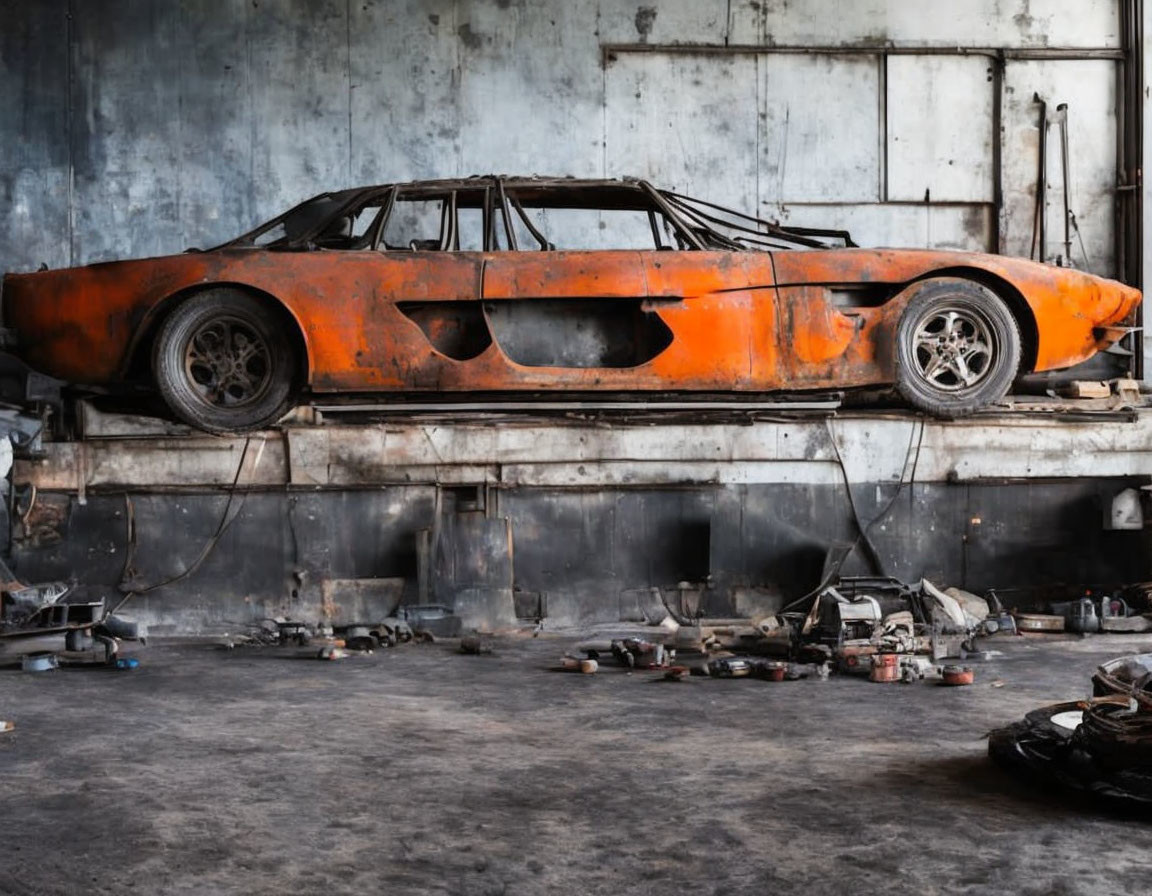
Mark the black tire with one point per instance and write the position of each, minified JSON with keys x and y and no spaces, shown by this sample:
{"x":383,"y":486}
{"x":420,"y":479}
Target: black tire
{"x":224,"y":363}
{"x":957,"y":347}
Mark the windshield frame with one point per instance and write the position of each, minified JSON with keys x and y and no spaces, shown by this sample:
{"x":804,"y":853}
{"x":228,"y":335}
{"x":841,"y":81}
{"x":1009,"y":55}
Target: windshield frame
{"x":700,"y":224}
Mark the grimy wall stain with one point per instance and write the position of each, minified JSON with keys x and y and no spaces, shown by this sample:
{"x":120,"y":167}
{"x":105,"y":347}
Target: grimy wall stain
{"x":137,"y":128}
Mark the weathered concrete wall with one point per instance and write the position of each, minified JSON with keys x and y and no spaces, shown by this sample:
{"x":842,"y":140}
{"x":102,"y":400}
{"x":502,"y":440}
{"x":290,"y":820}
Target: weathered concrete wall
{"x":141,"y":127}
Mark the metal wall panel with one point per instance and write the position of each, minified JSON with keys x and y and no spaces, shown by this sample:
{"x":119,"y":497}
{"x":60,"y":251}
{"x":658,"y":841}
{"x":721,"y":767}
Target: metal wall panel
{"x":668,"y":118}
{"x":940,"y":128}
{"x":972,"y":23}
{"x":820,"y":137}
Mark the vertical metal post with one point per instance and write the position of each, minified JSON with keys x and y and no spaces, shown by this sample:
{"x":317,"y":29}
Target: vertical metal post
{"x":1062,"y":115}
{"x":997,"y":235}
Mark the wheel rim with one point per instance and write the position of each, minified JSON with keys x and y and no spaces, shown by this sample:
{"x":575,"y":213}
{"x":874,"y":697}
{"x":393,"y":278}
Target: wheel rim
{"x":954,"y":348}
{"x":228,"y":363}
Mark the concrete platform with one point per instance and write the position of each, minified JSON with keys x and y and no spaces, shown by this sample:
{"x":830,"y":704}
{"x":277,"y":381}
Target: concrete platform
{"x":512,"y":517}
{"x":418,"y":770}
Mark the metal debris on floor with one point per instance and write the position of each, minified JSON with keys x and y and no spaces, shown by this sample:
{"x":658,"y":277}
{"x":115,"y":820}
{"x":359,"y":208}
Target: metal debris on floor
{"x":43,"y":625}
{"x":577,"y":664}
{"x":876,"y":627}
{"x":1126,"y":610}
{"x":331,"y":642}
{"x":1099,"y":748}
{"x":475,"y":645}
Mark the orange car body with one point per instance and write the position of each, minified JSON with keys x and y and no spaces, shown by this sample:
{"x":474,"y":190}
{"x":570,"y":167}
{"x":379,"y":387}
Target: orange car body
{"x":755,"y":321}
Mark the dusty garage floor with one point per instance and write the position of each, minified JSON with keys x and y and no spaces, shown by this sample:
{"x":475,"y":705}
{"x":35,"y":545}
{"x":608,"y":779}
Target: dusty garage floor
{"x":421,"y":771}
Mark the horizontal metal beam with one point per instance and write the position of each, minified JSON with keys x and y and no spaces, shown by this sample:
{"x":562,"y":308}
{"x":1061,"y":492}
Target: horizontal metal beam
{"x":611,"y":50}
{"x":499,"y":407}
{"x":528,"y":453}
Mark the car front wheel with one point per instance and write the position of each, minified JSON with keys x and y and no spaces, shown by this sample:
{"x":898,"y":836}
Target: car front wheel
{"x":957,"y":347}
{"x":223,"y":362}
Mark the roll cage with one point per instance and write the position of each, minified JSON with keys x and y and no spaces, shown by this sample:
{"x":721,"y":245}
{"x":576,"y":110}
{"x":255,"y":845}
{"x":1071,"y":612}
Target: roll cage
{"x":326,"y":221}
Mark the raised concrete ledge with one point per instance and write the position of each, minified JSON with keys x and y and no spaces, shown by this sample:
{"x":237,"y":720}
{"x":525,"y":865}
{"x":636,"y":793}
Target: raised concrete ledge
{"x":557,"y":454}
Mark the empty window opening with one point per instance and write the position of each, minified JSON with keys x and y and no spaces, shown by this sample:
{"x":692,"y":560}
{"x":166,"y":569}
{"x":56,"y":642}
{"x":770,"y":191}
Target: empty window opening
{"x":577,"y":332}
{"x":455,"y":329}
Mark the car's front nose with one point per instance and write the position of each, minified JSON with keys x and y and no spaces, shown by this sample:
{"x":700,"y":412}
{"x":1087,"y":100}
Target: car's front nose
{"x":1114,"y":312}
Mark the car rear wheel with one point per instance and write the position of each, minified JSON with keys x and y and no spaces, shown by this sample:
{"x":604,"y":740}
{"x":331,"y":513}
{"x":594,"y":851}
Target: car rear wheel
{"x":957,"y":347}
{"x":223,"y":362}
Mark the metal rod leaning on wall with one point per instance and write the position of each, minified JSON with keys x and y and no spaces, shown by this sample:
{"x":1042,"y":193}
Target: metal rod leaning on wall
{"x":1061,"y":119}
{"x":1040,"y":214}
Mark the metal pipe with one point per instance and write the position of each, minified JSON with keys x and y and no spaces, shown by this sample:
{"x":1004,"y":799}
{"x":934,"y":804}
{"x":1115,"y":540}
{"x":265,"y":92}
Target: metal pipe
{"x":1042,"y":179}
{"x":997,"y":153}
{"x":1062,"y":113}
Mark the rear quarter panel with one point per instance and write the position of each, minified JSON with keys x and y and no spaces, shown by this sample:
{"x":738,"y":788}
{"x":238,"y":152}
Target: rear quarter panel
{"x":1066,"y":305}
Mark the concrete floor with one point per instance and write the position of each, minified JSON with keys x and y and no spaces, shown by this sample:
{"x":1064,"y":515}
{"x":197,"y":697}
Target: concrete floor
{"x":418,"y":770}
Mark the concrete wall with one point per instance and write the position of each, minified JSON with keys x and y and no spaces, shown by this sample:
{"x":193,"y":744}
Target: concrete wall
{"x":143,"y":127}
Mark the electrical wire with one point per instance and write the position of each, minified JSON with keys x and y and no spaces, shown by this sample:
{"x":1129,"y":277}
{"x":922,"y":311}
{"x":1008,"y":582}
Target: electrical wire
{"x":916,"y":434}
{"x":226,"y":521}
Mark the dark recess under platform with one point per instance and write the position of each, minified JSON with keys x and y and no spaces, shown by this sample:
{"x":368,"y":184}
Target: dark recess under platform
{"x":575,"y":521}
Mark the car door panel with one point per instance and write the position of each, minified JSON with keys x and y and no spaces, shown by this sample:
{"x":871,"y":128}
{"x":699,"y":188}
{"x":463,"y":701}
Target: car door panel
{"x":724,"y":321}
{"x":365,"y":331}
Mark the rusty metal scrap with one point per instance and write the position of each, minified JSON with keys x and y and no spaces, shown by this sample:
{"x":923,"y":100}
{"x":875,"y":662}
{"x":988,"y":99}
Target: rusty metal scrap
{"x":722,"y":302}
{"x":1101,"y":748}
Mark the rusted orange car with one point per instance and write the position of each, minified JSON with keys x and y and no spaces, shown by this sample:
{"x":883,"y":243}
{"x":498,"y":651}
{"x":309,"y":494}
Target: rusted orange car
{"x":501,"y":284}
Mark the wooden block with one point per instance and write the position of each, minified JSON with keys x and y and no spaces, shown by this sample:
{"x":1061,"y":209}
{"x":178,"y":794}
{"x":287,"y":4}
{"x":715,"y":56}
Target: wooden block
{"x":1087,"y":389}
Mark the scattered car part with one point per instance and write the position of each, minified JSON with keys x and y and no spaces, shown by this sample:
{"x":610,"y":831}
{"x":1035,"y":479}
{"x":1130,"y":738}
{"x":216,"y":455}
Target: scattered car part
{"x":58,"y":624}
{"x":916,"y":668}
{"x":1096,"y":748}
{"x":1125,"y":624}
{"x":729,"y":667}
{"x":1128,"y":676}
{"x":578,"y":664}
{"x":772,"y":671}
{"x":289,"y":631}
{"x":885,"y":668}
{"x":475,"y":646}
{"x":1081,"y":617}
{"x":439,"y":620}
{"x":636,"y":653}
{"x":957,"y":676}
{"x":39,"y":661}
{"x":1038,"y":622}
